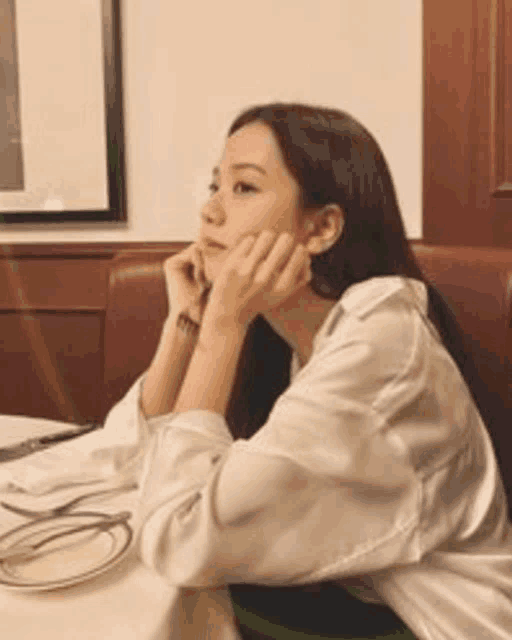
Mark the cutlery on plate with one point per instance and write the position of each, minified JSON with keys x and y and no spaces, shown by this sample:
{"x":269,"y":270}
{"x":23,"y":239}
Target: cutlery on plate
{"x":67,"y":506}
{"x":26,"y":552}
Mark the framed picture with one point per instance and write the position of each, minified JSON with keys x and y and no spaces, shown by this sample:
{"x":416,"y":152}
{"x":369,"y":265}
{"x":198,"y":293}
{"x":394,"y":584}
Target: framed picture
{"x":61,"y":114}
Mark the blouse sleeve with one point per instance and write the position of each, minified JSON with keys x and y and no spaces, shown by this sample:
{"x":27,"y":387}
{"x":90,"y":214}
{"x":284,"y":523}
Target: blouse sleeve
{"x":331,"y":486}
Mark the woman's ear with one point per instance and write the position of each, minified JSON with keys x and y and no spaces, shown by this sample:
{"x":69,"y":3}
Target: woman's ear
{"x":325,"y":228}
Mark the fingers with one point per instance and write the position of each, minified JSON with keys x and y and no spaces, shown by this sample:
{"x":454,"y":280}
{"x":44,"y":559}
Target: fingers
{"x":269,"y":258}
{"x":190,"y":263}
{"x":179,"y":261}
{"x":241,"y":251}
{"x":276,"y":259}
{"x":198,"y":266}
{"x":296,"y":272}
{"x":286,"y":263}
{"x":262,"y":251}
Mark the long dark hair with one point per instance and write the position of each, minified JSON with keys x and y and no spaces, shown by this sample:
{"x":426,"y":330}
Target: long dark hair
{"x":336,"y":160}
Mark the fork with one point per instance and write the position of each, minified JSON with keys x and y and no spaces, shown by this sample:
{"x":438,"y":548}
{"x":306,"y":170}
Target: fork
{"x":67,"y":506}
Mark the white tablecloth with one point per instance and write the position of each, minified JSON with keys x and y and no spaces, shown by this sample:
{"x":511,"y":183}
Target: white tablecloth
{"x":128,"y":602}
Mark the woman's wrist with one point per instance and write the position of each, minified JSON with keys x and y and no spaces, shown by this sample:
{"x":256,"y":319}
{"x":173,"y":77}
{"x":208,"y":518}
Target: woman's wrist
{"x":217,"y":319}
{"x":165,"y":375}
{"x":183,"y":318}
{"x":196,"y":309}
{"x":217,"y":329}
{"x":209,"y":380}
{"x":178,"y":332}
{"x":187,"y":325}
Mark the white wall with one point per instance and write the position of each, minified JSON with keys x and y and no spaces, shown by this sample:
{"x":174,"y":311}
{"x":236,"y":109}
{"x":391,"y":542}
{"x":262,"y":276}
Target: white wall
{"x":190,"y":67}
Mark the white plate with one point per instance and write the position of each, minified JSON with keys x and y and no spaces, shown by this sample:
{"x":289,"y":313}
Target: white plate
{"x":69,"y":559}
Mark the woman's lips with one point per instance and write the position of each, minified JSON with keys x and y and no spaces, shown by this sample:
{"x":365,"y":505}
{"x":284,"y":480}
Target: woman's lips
{"x":212,"y":248}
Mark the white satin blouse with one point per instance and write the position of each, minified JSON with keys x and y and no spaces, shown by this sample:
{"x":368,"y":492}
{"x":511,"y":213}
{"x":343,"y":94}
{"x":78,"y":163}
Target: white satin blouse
{"x":374,"y":463}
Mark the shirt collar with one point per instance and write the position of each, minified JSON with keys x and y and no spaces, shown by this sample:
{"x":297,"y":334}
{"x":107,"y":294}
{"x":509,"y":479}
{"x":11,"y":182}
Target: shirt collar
{"x":362,"y":297}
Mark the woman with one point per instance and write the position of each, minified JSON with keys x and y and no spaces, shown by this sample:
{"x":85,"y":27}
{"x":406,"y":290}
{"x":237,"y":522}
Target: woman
{"x":314,"y":438}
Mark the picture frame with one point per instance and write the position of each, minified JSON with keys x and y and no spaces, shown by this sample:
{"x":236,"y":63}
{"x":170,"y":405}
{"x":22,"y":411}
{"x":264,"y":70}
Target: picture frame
{"x":63,"y":157}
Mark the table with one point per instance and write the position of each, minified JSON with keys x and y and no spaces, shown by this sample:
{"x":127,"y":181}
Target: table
{"x":128,"y":602}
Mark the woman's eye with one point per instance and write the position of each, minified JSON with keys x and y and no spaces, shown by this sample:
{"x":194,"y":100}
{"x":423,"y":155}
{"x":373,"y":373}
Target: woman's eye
{"x":239,"y":188}
{"x":244,"y":187}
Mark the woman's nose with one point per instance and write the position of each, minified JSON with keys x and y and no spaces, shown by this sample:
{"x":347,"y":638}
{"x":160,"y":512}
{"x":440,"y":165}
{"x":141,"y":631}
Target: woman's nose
{"x":213,"y":213}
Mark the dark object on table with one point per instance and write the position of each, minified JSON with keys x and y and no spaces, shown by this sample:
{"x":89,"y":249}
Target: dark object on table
{"x":38,"y":444}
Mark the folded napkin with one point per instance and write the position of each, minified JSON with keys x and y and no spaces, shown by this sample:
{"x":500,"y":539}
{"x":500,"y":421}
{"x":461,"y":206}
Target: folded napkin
{"x":110,"y":455}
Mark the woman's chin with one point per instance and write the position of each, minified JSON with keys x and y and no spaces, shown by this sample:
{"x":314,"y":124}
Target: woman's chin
{"x":212,"y":267}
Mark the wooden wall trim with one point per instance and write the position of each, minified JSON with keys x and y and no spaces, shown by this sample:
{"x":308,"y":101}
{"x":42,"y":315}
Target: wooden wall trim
{"x":97,"y":250}
{"x":86,"y":249}
{"x":500,"y":91}
{"x":58,"y":284}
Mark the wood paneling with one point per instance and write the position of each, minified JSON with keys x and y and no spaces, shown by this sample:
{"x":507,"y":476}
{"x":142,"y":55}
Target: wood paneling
{"x":501,"y":99}
{"x":51,"y":365}
{"x":52,"y":315}
{"x":53,"y":304}
{"x":468,"y":122}
{"x":54,"y":284}
{"x":86,"y":249}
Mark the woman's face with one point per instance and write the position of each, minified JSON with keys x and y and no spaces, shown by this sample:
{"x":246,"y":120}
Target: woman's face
{"x":251,"y":190}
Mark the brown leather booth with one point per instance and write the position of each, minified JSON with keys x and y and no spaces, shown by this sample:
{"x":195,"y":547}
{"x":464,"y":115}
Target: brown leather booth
{"x":476,"y":283}
{"x":136,"y":311}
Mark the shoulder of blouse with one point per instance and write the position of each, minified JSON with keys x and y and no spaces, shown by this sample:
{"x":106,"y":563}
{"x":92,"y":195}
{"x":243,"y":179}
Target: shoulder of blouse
{"x":364,"y":298}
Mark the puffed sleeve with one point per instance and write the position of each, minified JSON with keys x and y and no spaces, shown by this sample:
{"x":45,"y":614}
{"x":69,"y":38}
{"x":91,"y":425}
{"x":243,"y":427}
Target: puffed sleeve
{"x":329,"y":487}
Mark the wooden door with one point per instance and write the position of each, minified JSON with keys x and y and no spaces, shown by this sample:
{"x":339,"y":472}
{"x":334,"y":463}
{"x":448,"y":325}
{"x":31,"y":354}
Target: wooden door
{"x":467,"y":188}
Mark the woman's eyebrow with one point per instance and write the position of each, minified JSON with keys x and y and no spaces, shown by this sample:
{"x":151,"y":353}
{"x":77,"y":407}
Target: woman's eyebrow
{"x":242,"y":165}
